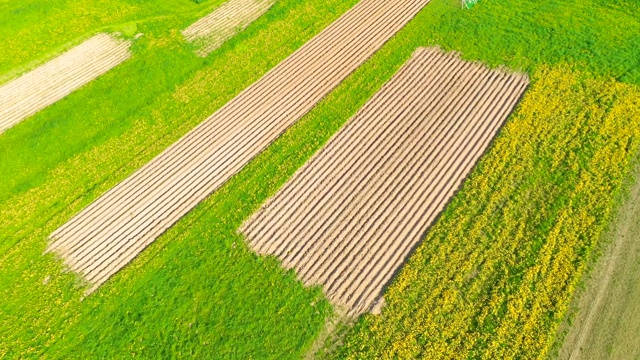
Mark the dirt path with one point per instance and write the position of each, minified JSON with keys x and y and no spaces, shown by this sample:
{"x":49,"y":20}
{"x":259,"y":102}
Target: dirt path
{"x":230,"y":18}
{"x":607,"y":324}
{"x":109,"y":233}
{"x":350,"y":217}
{"x":49,"y":83}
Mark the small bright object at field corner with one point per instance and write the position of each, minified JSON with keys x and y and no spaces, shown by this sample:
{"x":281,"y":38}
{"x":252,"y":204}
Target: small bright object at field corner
{"x":468,"y":3}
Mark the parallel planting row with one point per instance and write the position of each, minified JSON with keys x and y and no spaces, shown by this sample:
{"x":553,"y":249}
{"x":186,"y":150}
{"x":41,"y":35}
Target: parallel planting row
{"x":214,"y":29}
{"x":34,"y":91}
{"x":115,"y":228}
{"x":350,"y":217}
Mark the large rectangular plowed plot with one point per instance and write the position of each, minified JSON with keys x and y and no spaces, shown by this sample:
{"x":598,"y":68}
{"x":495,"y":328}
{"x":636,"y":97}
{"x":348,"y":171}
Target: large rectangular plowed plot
{"x":110,"y":232}
{"x":350,"y":217}
{"x":49,"y":83}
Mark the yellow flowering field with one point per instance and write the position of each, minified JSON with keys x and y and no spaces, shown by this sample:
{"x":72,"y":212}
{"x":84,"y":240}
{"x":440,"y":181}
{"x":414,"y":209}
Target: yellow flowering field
{"x":494,"y":276}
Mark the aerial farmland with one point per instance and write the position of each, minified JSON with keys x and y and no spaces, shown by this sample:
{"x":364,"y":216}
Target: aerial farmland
{"x":335,"y":179}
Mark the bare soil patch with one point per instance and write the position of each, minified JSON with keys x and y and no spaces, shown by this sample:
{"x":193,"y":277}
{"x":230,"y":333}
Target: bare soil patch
{"x":49,"y":83}
{"x":230,"y":18}
{"x":110,"y":232}
{"x":352,"y":215}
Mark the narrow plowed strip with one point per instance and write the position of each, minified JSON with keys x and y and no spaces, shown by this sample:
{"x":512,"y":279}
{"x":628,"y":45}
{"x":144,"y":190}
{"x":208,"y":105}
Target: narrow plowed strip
{"x":109,"y":233}
{"x":350,"y":217}
{"x":228,"y":19}
{"x":35,"y":90}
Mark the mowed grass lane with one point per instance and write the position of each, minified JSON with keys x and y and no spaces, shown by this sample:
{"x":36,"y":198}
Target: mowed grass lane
{"x":152,"y":300}
{"x":602,"y":326}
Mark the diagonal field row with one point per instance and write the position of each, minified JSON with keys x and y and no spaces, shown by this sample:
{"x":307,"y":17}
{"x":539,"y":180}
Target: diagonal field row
{"x":110,"y":232}
{"x":231,"y":17}
{"x":34,"y":91}
{"x":349,"y":218}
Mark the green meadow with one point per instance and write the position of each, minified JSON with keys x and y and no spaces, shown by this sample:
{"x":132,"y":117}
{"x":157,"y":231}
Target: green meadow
{"x":199,"y":290}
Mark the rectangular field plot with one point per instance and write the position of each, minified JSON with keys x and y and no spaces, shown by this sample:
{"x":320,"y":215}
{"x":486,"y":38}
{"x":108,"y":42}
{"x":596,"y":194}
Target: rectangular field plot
{"x":49,"y":83}
{"x":350,"y":217}
{"x":113,"y":230}
{"x":233,"y":16}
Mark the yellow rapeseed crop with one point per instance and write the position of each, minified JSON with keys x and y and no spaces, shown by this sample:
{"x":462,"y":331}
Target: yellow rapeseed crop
{"x":493,"y":278}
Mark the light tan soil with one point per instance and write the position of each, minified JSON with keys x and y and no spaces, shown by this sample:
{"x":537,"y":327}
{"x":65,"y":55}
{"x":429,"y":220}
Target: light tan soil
{"x":109,"y":233}
{"x":35,"y":90}
{"x":331,"y":336}
{"x":230,"y":18}
{"x":352,"y":215}
{"x":607,"y":322}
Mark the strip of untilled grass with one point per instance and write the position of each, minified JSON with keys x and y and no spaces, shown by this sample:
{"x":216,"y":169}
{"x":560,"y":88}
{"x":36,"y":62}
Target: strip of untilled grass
{"x":494,"y":277}
{"x":64,"y":186}
{"x":32,"y":29}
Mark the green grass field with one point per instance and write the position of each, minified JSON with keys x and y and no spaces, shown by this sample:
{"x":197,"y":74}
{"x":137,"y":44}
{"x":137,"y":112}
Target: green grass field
{"x":199,"y":290}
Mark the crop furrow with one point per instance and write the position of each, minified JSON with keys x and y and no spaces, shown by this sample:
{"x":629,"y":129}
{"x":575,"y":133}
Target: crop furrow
{"x":351,"y":216}
{"x":109,"y":233}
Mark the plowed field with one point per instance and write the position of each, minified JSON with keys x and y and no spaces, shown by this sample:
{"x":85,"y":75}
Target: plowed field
{"x":115,"y":228}
{"x":233,"y":16}
{"x":349,"y":218}
{"x":34,"y":91}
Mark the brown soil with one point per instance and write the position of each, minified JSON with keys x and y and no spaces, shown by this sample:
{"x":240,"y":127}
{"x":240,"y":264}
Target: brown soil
{"x":231,"y":17}
{"x":110,"y":232}
{"x":34,"y":91}
{"x":351,"y":216}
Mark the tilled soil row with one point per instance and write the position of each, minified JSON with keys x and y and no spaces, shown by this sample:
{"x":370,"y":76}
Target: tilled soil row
{"x":351,"y":216}
{"x":34,"y":91}
{"x":114,"y":229}
{"x":228,"y":19}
